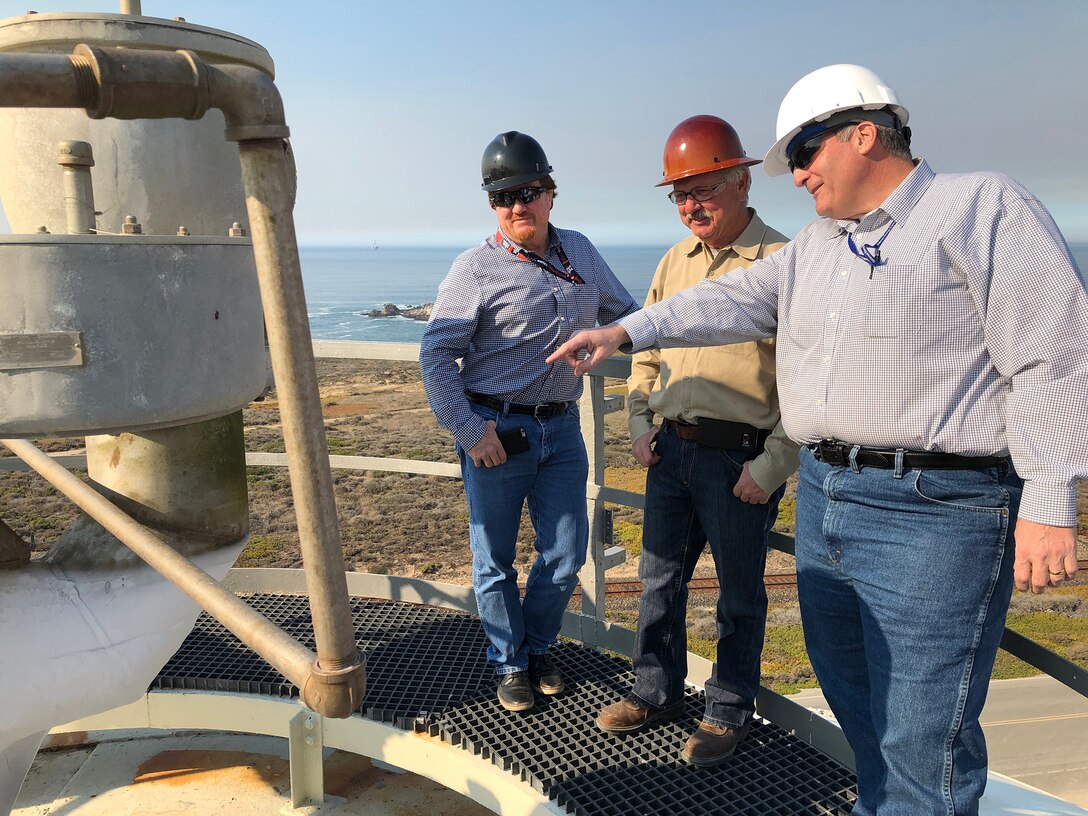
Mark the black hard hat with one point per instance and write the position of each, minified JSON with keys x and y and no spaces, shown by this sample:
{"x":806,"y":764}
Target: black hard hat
{"x":513,"y":159}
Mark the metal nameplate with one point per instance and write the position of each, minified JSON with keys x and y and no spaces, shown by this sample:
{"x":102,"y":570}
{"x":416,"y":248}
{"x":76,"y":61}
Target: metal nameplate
{"x":45,"y":350}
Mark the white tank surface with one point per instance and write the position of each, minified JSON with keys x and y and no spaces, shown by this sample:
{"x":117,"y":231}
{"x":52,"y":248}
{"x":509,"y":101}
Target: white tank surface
{"x":83,"y":640}
{"x":170,"y":172}
{"x":100,"y":334}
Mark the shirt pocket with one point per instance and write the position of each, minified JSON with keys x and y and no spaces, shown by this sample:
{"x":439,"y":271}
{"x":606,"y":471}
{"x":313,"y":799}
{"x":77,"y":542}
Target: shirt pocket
{"x":582,"y":303}
{"x":897,"y":301}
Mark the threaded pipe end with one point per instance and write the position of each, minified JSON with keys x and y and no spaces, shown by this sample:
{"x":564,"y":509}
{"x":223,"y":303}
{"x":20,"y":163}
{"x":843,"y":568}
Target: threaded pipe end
{"x":86,"y":83}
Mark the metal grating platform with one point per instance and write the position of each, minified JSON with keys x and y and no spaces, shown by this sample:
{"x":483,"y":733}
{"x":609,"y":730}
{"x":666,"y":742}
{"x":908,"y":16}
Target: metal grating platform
{"x":426,"y":669}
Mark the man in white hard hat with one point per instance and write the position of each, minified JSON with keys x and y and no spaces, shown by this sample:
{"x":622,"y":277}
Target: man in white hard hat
{"x":932,"y":359}
{"x":717,"y":464}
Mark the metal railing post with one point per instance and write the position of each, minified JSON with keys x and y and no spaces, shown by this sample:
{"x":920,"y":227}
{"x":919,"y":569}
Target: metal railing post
{"x":591,"y":577}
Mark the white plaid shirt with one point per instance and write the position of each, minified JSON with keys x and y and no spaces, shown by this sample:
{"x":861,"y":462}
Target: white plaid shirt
{"x":504,"y":316}
{"x":972,"y":339}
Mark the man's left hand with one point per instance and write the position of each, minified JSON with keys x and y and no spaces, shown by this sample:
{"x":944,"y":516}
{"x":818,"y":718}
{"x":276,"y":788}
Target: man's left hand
{"x":1045,"y":555}
{"x":747,"y":490}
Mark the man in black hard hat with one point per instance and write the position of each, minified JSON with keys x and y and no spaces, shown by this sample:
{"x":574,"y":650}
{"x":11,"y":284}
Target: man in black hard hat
{"x":502,"y":309}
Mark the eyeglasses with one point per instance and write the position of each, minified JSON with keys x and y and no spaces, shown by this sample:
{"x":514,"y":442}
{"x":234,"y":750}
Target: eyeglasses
{"x":526,"y":195}
{"x":700,"y":194}
{"x":805,"y":152}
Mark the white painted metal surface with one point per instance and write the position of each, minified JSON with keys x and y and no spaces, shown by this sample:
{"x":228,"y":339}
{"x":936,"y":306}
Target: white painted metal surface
{"x":79,"y":640}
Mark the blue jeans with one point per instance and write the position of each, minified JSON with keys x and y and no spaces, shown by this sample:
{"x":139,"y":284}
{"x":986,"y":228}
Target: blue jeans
{"x":689,"y":500}
{"x":551,"y":478}
{"x":904,"y":581}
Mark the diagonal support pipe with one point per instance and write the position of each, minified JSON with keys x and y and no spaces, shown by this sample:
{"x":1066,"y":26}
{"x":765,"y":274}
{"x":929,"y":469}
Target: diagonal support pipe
{"x":128,"y":83}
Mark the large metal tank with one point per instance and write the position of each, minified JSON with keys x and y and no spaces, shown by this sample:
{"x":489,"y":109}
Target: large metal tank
{"x":111,"y":331}
{"x":141,"y":335}
{"x":100,"y":334}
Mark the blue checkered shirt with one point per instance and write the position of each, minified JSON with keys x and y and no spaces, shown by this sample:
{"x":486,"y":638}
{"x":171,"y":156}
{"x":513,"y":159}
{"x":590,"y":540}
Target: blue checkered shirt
{"x":973,"y":339}
{"x":503,"y":317}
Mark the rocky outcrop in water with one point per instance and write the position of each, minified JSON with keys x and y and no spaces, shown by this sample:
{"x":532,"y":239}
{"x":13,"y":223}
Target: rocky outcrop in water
{"x":421,"y":312}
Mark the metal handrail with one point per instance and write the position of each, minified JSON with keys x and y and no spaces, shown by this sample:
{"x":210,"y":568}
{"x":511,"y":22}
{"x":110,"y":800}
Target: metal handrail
{"x":599,"y":558}
{"x":1020,"y":646}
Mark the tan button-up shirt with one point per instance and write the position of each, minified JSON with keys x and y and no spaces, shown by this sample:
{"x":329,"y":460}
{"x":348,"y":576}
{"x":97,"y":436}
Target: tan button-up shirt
{"x":734,"y":382}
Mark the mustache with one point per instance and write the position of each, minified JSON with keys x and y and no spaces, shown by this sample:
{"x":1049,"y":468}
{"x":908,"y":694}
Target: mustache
{"x":698,"y":214}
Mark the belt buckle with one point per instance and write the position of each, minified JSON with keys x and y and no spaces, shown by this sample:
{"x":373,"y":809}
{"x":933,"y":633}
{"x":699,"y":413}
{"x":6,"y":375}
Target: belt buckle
{"x":545,"y":410}
{"x":833,"y":453}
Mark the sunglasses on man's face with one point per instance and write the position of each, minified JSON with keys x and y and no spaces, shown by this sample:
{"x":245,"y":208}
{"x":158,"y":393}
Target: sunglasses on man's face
{"x":526,"y":195}
{"x":806,"y":151}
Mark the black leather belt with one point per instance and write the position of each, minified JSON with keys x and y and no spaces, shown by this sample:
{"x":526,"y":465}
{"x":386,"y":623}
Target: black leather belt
{"x":831,"y":452}
{"x":720,"y":433}
{"x":542,"y":411}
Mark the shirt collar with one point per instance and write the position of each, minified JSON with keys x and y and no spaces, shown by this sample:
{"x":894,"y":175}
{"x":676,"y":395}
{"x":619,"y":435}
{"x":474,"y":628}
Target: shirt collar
{"x":899,"y":204}
{"x":746,"y":245}
{"x":903,"y":199}
{"x":553,"y":239}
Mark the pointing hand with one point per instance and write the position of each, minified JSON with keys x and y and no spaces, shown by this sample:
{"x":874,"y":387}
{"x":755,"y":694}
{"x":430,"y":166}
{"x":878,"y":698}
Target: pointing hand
{"x":600,"y":344}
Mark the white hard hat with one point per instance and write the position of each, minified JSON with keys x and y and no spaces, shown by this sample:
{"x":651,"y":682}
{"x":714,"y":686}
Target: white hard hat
{"x":821,"y":94}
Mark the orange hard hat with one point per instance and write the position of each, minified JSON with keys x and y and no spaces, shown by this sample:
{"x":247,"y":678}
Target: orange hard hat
{"x":701,"y":144}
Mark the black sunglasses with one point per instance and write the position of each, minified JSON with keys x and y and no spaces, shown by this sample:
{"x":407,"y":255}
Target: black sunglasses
{"x":805,"y":152}
{"x":526,"y":195}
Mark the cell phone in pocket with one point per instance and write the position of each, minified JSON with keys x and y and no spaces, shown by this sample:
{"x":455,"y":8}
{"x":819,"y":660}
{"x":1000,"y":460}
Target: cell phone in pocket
{"x":514,"y":441}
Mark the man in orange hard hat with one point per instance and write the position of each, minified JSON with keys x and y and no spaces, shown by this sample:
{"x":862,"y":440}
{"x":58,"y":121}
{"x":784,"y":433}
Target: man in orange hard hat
{"x":716,"y":464}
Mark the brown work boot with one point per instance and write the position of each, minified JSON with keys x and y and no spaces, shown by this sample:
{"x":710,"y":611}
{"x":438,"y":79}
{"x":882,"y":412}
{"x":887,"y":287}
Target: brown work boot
{"x":628,"y":716}
{"x":712,"y":744}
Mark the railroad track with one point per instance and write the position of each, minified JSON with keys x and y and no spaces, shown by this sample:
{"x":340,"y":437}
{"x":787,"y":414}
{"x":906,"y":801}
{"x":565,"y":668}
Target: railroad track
{"x":774,"y":581}
{"x":777,"y":581}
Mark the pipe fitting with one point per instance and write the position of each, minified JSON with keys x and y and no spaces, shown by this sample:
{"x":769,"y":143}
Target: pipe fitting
{"x":30,"y":80}
{"x":75,"y":154}
{"x":336,"y":691}
{"x":143,"y":84}
{"x":250,"y":102}
{"x":76,"y":160}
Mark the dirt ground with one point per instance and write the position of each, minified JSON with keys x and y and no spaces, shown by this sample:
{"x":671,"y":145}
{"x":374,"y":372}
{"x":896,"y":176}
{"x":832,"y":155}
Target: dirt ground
{"x":396,"y":523}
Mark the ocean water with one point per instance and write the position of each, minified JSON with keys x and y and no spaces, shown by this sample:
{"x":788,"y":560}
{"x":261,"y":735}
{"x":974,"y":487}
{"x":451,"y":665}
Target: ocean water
{"x":344,"y":283}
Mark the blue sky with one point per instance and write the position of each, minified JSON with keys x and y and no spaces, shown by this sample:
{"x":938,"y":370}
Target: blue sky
{"x":391,"y":104}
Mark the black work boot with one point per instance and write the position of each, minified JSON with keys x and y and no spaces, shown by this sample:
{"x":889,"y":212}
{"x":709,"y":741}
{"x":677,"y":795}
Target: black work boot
{"x":543,"y":675}
{"x":515,"y":693}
